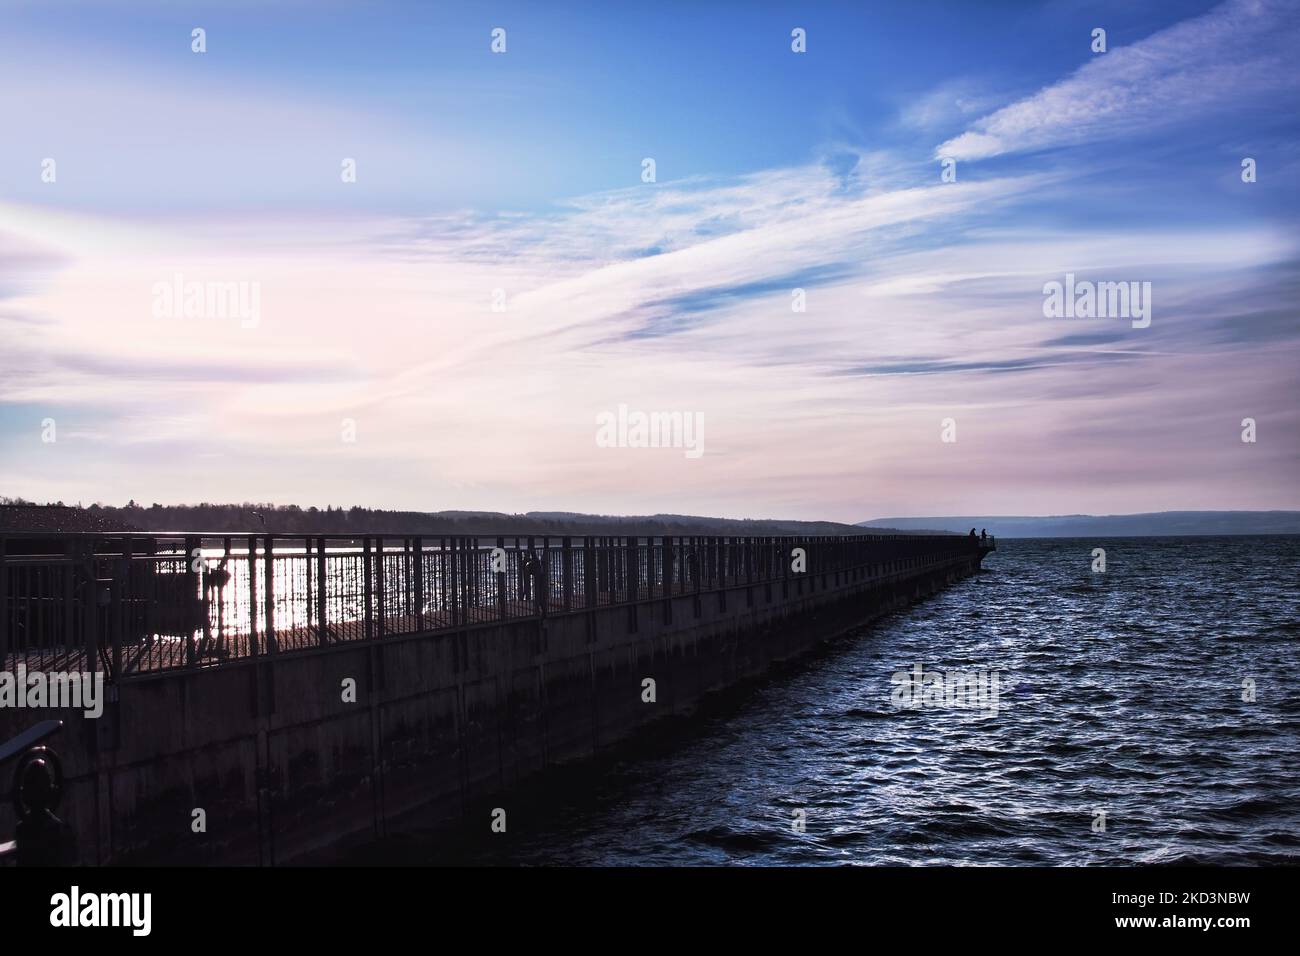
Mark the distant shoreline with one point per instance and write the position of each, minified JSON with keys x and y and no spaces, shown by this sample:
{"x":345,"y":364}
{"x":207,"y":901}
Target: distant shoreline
{"x":1156,"y":524}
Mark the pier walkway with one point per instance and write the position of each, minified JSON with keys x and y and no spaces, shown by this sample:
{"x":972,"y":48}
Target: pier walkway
{"x":307,"y":691}
{"x":144,"y":603}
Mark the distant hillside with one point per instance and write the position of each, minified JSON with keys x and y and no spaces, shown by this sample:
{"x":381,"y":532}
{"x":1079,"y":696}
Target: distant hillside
{"x":291,"y":519}
{"x":1152,"y":524}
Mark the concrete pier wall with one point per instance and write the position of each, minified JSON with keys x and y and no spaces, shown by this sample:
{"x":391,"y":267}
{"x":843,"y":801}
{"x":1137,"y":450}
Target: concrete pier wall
{"x":285,"y":764}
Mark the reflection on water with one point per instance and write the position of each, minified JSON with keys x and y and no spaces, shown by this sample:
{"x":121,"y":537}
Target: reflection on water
{"x":1129,"y":700}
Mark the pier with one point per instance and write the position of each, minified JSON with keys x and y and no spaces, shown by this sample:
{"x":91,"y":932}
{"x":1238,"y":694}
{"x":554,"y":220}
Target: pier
{"x":301,"y":691}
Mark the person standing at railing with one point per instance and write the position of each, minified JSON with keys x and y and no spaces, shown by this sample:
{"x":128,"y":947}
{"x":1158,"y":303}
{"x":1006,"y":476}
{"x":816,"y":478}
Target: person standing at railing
{"x":535,"y":580}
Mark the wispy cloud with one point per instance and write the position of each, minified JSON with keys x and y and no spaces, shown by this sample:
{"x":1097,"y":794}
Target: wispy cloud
{"x":1220,"y":60}
{"x":923,"y":301}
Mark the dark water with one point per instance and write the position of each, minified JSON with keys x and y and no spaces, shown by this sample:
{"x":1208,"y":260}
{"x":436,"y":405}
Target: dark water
{"x":1127,"y":698}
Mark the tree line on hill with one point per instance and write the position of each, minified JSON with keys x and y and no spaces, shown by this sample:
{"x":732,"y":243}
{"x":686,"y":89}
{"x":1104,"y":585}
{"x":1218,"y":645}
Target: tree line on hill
{"x":253,"y":517}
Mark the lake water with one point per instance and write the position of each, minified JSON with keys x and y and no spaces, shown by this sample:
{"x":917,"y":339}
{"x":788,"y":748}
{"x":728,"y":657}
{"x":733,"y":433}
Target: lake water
{"x":1124,"y":732}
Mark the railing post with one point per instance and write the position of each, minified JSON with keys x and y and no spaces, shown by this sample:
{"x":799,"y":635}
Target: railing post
{"x":668,"y":588}
{"x":192,"y":599}
{"x":566,"y":571}
{"x":469,"y":601}
{"x":90,"y":608}
{"x":471,"y":573}
{"x":322,"y":613}
{"x":121,"y":595}
{"x":309,"y":596}
{"x":367,"y":592}
{"x":668,"y":566}
{"x":602,"y":567}
{"x":252,"y":595}
{"x":649,"y":565}
{"x":502,"y":582}
{"x":633,"y":571}
{"x":75,"y":552}
{"x":223,"y":628}
{"x":531,"y":579}
{"x":4,"y":603}
{"x":381,"y":590}
{"x":417,"y":568}
{"x":588,"y":573}
{"x":272,"y":645}
{"x":452,"y":576}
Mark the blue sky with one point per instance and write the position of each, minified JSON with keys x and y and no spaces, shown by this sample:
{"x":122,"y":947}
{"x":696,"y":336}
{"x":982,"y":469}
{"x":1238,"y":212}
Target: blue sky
{"x":521,"y":172}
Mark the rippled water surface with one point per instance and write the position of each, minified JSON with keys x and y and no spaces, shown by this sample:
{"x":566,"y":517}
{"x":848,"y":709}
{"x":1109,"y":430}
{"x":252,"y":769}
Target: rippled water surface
{"x":1128,"y":698}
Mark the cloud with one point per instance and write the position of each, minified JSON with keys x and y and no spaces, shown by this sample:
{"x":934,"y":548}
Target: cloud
{"x":923,"y":302}
{"x":1221,"y":60}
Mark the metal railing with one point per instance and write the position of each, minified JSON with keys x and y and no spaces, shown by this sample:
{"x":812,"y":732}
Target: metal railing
{"x":134,"y":604}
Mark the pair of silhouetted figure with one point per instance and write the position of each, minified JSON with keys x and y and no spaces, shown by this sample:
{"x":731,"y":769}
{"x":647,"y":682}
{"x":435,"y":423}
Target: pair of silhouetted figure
{"x":984,"y":536}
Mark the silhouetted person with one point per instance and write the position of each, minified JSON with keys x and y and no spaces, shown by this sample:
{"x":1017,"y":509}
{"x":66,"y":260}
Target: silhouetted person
{"x":534,"y":580}
{"x":972,"y":534}
{"x":984,"y":536}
